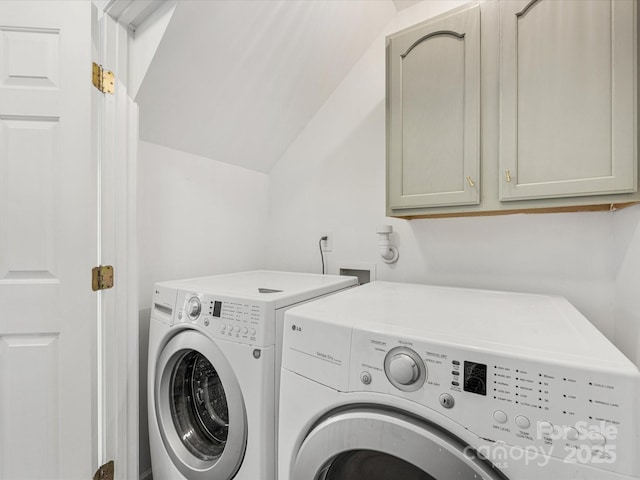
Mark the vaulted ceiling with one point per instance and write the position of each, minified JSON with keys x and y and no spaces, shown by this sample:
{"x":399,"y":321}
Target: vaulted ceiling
{"x":237,"y":81}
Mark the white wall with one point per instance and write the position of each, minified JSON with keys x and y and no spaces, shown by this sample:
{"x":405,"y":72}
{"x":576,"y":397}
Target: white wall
{"x":196,"y":217}
{"x":627,"y":282}
{"x":332,"y":179}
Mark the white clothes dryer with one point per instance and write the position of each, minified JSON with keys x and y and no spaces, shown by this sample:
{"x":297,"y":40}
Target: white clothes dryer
{"x":414,"y":382}
{"x":214,"y":362}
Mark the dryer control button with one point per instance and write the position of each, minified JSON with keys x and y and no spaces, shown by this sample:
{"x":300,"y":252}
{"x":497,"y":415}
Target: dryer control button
{"x":365,"y":377}
{"x":597,"y":438}
{"x":447,"y":401}
{"x":546,"y":428}
{"x":499,"y":416}
{"x":523,"y":422}
{"x":571,"y":433}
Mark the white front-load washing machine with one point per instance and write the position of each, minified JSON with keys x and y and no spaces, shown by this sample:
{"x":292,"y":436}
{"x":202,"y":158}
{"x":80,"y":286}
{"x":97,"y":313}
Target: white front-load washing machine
{"x":396,"y":381}
{"x":214,"y":359}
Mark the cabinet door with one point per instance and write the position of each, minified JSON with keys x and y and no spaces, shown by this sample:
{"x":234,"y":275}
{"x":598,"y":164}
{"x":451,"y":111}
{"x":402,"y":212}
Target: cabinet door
{"x":433,"y":113}
{"x":568,"y":105}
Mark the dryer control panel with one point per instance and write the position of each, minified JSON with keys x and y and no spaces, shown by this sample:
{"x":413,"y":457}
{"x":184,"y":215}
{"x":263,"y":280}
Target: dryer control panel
{"x":578,"y":411}
{"x":227,"y":318}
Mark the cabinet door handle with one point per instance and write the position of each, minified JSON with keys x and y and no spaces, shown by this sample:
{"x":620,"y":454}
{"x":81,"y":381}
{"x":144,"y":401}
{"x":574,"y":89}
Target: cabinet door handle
{"x":507,"y":175}
{"x":470,"y":182}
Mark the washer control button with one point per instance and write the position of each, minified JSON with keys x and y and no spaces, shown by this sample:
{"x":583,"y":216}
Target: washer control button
{"x":447,"y":401}
{"x":523,"y":422}
{"x":365,"y":377}
{"x":245,"y":330}
{"x":597,"y":438}
{"x":252,"y":332}
{"x":499,"y":416}
{"x":237,"y":329}
{"x":571,"y":433}
{"x":223,"y":327}
{"x":545,"y":428}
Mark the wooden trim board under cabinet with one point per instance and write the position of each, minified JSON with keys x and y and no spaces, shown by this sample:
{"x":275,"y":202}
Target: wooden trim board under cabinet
{"x":612,"y":207}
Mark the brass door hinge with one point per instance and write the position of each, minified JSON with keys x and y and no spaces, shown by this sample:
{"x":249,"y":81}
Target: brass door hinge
{"x":103,"y":79}
{"x":101,"y":277}
{"x":105,"y":472}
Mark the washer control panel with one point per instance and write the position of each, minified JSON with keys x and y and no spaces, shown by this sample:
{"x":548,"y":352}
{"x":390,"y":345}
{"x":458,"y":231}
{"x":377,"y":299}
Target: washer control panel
{"x":575,"y":412}
{"x":226,"y":318}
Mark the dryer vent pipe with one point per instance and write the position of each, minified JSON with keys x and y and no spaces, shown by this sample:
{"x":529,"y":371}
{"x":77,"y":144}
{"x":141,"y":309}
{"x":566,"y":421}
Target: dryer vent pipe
{"x":388,"y":252}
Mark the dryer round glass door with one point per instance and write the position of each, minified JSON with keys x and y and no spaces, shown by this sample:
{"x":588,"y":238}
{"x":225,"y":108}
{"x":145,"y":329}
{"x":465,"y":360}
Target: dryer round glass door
{"x":199,"y":406}
{"x":375,"y":444}
{"x":371,"y":465}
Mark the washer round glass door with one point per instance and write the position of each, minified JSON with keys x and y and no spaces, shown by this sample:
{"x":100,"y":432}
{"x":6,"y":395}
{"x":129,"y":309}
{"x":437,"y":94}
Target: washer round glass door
{"x":199,"y":407}
{"x":372,"y":444}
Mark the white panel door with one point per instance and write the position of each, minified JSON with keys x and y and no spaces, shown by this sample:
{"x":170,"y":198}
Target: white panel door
{"x":47,"y":241}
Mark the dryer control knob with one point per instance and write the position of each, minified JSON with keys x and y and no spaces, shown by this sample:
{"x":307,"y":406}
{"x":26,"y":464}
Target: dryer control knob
{"x":193,"y":308}
{"x":403,"y":369}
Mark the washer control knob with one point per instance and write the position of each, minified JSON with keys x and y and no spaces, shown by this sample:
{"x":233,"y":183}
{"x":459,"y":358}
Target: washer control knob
{"x":597,"y":439}
{"x":193,"y":308}
{"x":571,"y":433}
{"x":499,"y":416}
{"x":523,"y":422}
{"x":403,"y":369}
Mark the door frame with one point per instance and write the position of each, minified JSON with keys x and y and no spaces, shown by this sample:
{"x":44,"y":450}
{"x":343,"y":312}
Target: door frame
{"x":116,"y":125}
{"x":116,"y":132}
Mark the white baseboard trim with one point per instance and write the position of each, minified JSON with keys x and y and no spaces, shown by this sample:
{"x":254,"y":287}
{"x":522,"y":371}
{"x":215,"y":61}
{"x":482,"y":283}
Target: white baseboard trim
{"x":146,"y":475}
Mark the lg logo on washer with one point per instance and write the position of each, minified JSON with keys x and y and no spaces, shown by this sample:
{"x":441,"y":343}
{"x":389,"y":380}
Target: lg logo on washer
{"x":295,"y":328}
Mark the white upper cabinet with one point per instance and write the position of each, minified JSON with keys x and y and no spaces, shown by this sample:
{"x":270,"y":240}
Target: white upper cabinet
{"x":433,"y":112}
{"x":567,"y":98}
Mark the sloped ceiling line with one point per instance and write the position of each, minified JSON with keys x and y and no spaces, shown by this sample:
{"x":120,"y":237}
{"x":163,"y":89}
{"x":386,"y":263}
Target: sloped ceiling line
{"x":237,"y":81}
